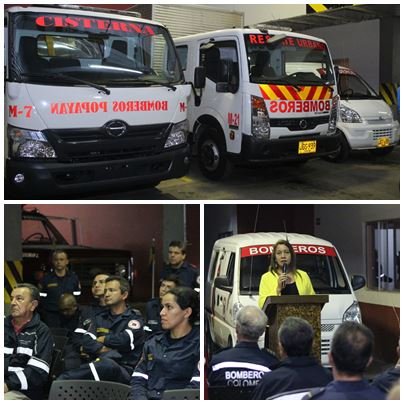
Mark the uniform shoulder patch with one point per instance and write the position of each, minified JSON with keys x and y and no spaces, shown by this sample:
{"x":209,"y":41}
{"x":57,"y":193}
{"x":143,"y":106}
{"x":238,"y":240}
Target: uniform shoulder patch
{"x":134,"y":324}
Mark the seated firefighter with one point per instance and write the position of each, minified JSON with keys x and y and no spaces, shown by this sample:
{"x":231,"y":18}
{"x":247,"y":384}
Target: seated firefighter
{"x":28,"y":347}
{"x":114,"y":341}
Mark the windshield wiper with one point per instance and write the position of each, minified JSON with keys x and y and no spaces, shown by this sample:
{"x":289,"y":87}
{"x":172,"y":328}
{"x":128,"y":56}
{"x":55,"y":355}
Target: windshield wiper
{"x":146,"y":82}
{"x":68,"y":78}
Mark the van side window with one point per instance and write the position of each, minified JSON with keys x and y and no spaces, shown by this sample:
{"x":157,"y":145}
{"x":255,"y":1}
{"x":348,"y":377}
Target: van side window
{"x":218,"y":60}
{"x":230,"y":269}
{"x":182,"y":51}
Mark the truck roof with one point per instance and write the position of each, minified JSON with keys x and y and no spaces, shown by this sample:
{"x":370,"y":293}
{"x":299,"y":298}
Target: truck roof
{"x":85,"y":11}
{"x":242,"y":31}
{"x":249,"y":239}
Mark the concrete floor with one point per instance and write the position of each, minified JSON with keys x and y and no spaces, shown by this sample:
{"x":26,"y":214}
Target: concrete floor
{"x":362,"y":177}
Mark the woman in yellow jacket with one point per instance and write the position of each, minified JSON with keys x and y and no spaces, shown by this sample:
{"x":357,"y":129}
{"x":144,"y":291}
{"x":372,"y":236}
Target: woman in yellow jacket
{"x":276,"y":282}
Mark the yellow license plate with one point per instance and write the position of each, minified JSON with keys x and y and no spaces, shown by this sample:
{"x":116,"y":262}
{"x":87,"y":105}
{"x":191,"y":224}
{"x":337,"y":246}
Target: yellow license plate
{"x":309,"y":146}
{"x":383,"y":142}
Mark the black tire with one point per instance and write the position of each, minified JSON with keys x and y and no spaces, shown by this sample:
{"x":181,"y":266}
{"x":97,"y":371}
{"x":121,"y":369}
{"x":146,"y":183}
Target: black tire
{"x":344,"y":151}
{"x":381,"y":152}
{"x":213,"y":162}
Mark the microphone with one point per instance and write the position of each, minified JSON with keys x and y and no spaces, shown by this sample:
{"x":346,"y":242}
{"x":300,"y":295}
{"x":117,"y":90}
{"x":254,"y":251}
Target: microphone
{"x":284,"y":270}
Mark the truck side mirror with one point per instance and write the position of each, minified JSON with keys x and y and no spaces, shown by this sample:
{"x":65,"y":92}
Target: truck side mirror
{"x":200,"y":77}
{"x":357,"y":282}
{"x":223,"y":283}
{"x":336,"y":71}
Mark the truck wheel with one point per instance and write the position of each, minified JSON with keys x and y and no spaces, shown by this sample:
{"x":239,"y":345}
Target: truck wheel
{"x":382,"y":152}
{"x":213,"y":162}
{"x":343,"y":153}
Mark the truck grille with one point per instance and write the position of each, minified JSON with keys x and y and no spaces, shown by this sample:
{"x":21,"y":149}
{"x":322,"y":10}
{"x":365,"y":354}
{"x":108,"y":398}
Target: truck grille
{"x":94,"y":144}
{"x":378,"y":133}
{"x":294,"y":124}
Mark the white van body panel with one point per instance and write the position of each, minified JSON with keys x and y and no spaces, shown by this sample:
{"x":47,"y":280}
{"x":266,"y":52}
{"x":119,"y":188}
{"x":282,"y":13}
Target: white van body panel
{"x":222,"y":305}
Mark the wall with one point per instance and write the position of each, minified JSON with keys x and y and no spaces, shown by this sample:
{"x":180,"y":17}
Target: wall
{"x":359,"y":42}
{"x":258,"y":13}
{"x":130,"y":227}
{"x":343,"y":225}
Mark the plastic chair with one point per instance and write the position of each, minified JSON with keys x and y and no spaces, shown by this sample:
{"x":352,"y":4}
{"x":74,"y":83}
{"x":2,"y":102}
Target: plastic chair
{"x":181,"y":394}
{"x":88,"y":390}
{"x":230,"y":393}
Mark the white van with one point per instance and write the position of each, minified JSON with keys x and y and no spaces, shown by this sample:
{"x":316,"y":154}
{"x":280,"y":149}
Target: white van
{"x":365,"y":121}
{"x":265,"y":96}
{"x":237,"y":264}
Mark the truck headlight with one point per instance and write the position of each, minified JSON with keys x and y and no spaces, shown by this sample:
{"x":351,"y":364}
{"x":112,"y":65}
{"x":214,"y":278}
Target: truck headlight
{"x":25,"y":143}
{"x":178,"y":134}
{"x":332,"y":124}
{"x":353,"y":313}
{"x":260,"y":126}
{"x":348,"y":115}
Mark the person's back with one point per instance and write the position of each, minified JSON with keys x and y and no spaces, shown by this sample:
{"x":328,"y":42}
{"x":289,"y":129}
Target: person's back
{"x":297,"y":369}
{"x":351,"y":353}
{"x":245,"y":364}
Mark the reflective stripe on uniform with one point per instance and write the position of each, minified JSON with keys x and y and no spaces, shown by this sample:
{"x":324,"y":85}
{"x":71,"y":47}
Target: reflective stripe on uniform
{"x":196,"y":379}
{"x":19,"y":372}
{"x":43,"y":294}
{"x":8,"y":350}
{"x":26,"y":351}
{"x":137,"y":374}
{"x":94,"y":372}
{"x":132,"y":340}
{"x":91,"y":335}
{"x":38,"y":364}
{"x":80,"y":331}
{"x":252,"y":366}
{"x":77,"y":293}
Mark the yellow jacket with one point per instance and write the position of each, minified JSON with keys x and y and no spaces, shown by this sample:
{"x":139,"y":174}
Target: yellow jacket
{"x":269,"y":284}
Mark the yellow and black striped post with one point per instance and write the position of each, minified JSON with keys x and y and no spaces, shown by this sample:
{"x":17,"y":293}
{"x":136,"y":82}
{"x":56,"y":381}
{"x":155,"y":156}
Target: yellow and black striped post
{"x":319,"y":8}
{"x":12,"y":276}
{"x":388,"y":91}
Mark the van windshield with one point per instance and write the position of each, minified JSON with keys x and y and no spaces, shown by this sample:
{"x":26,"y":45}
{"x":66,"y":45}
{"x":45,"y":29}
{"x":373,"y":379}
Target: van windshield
{"x":56,"y":48}
{"x":352,"y":86}
{"x":282,"y":59}
{"x":325,"y":271}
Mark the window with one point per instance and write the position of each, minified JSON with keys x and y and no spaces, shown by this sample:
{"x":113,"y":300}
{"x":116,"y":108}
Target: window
{"x":383,"y":254}
{"x":220,"y":61}
{"x":183,"y":55}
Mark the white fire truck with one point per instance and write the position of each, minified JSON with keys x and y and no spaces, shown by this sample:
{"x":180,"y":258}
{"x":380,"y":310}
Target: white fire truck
{"x":261,"y":96}
{"x":94,"y":98}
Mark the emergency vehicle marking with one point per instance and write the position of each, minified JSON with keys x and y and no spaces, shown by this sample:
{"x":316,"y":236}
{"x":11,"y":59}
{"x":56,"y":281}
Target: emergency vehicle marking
{"x":93,"y":107}
{"x":275,"y":92}
{"x":304,"y":249}
{"x":15,"y":112}
{"x":60,"y":21}
{"x":233,"y":120}
{"x":183,"y":107}
{"x":264,"y":39}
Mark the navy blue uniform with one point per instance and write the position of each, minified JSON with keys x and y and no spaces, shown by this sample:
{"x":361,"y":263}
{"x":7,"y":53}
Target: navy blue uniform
{"x":166,"y":364}
{"x":51,"y":288}
{"x":241,"y":366}
{"x":292,"y":373}
{"x":187,"y":273}
{"x":338,"y":390}
{"x":27,"y":357}
{"x":124,"y":336}
{"x":385,"y":380}
{"x":153,"y":319}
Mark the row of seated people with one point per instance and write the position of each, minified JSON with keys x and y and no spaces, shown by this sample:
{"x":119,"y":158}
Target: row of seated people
{"x":111,"y":342}
{"x":254,"y":373}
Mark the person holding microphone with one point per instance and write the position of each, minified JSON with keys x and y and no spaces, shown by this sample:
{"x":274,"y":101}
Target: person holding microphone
{"x":283,"y":278}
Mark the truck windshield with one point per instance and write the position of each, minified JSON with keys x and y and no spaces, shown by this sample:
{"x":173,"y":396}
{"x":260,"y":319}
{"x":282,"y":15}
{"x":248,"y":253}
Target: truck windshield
{"x":352,"y":86}
{"x":325,"y":271}
{"x":282,"y":59}
{"x":45,"y":48}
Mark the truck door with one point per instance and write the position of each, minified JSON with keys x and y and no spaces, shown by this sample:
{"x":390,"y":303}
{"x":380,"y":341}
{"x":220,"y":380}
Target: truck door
{"x":222,"y":96}
{"x":221,"y":299}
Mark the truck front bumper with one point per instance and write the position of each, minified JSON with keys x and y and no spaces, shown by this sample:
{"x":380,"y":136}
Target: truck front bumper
{"x":285,"y":149}
{"x":47,"y":178}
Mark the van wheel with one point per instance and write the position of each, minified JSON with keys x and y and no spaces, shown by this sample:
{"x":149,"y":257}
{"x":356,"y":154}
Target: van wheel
{"x":213,"y":162}
{"x":381,"y":152}
{"x":343,"y":153}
